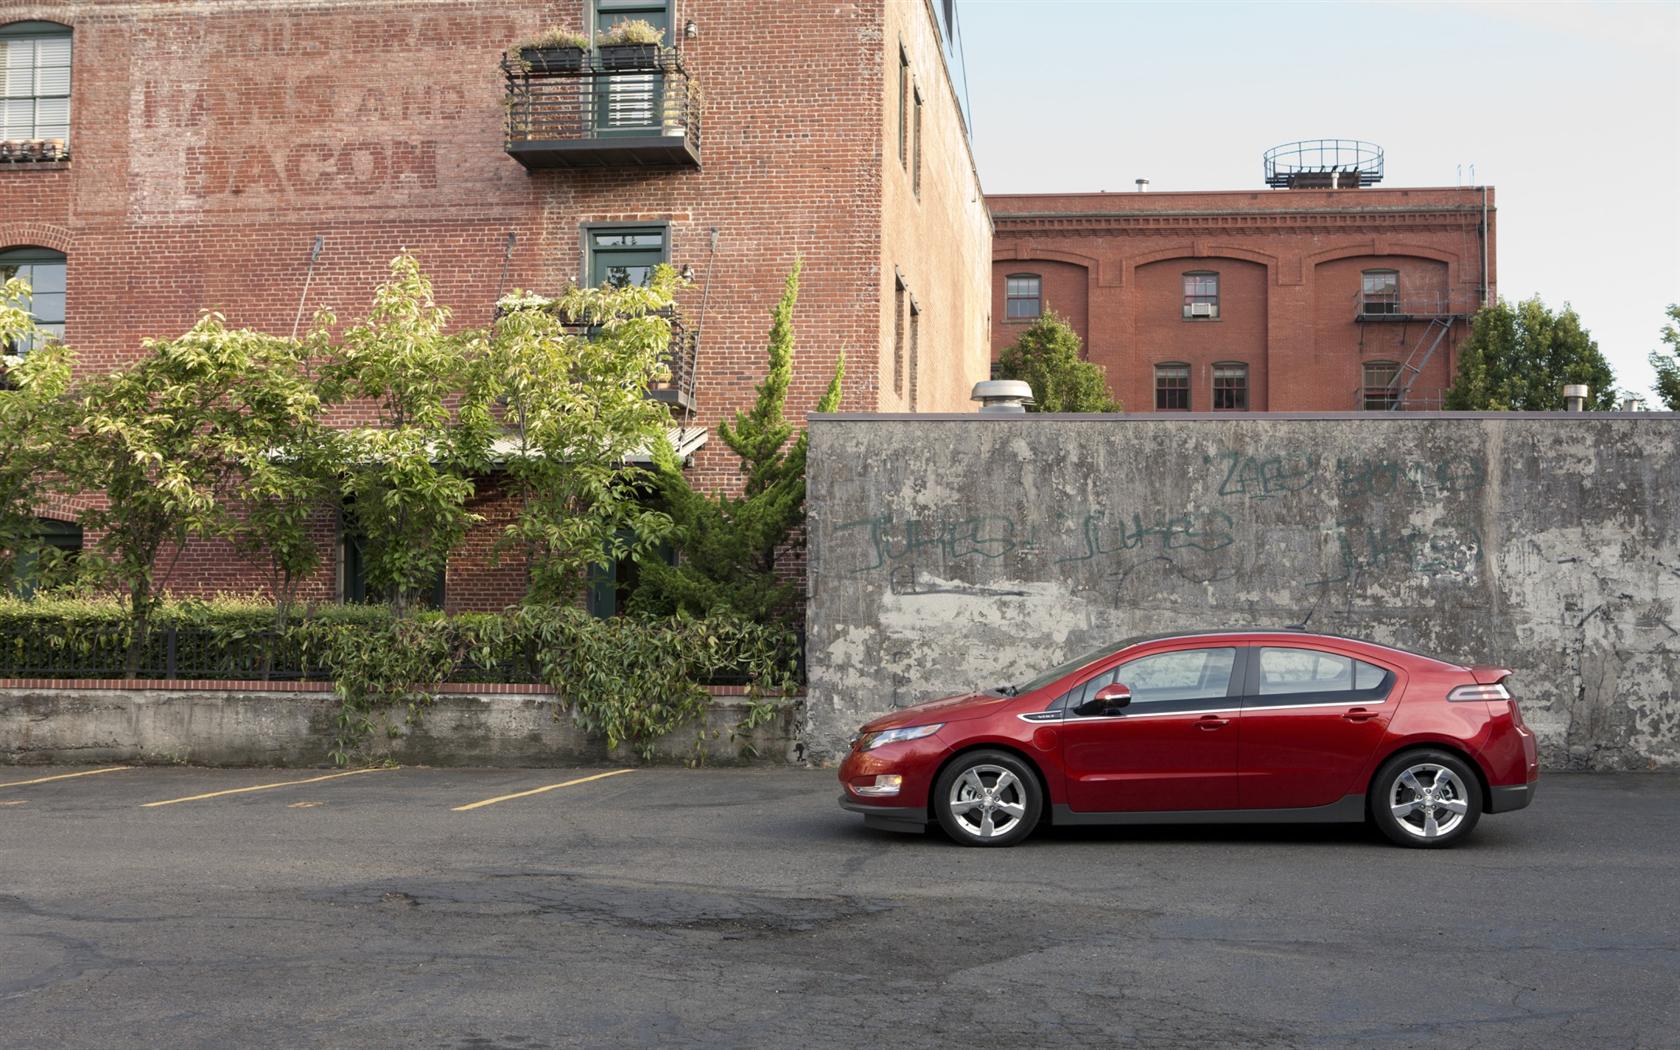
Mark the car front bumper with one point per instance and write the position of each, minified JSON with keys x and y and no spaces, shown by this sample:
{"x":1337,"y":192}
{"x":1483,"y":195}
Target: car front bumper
{"x":888,"y":818}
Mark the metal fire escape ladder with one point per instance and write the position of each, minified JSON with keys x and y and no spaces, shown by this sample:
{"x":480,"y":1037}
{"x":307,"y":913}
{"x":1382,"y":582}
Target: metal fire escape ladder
{"x":1422,"y":351}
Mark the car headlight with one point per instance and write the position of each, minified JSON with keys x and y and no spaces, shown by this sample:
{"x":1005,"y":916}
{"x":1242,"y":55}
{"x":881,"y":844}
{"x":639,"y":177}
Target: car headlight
{"x":870,"y":741}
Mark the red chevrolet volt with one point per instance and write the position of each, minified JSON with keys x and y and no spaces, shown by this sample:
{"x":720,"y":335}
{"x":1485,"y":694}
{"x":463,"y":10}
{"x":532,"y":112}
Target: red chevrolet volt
{"x":1232,"y":726}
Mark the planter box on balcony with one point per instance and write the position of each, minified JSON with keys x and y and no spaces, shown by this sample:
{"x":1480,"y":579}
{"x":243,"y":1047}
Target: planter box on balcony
{"x":628,"y":56}
{"x":552,"y":59}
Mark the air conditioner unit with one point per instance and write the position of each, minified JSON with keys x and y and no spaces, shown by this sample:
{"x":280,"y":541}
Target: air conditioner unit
{"x":1203,"y":310}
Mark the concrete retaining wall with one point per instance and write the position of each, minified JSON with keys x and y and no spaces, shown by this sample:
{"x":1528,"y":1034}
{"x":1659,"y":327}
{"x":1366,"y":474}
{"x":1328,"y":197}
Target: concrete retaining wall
{"x":956,"y":552}
{"x":211,"y":728}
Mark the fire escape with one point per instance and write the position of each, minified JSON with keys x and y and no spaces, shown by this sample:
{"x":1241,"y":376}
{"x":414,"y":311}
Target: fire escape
{"x":1432,"y":311}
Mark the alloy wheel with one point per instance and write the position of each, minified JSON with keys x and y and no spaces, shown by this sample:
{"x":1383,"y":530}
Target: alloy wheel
{"x":1428,"y":800}
{"x":988,"y":801}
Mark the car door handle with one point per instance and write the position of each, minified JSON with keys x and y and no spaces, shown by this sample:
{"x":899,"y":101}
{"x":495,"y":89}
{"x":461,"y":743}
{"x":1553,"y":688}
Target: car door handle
{"x":1359,"y":714}
{"x":1211,"y":722}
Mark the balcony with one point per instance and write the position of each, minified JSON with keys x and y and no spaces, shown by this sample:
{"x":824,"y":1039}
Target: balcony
{"x":682,"y":359}
{"x":1401,"y":303}
{"x":644,"y":115}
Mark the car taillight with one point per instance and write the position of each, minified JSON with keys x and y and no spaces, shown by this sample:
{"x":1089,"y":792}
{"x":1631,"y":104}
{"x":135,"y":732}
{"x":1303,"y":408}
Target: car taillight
{"x":1516,"y":714}
{"x":1497,"y":691}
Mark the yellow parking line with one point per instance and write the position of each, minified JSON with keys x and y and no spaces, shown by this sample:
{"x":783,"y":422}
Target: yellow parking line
{"x":66,"y":776}
{"x":258,"y":787}
{"x":536,"y":791}
{"x":13,"y":802}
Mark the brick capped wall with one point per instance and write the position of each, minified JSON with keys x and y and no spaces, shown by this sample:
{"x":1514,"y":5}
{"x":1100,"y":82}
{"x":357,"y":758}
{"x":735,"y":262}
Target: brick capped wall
{"x":1289,"y":264}
{"x":211,"y":144}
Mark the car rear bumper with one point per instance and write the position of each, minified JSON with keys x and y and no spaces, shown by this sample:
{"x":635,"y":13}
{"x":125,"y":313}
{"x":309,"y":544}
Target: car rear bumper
{"x":1505,"y":799}
{"x":888,"y":818}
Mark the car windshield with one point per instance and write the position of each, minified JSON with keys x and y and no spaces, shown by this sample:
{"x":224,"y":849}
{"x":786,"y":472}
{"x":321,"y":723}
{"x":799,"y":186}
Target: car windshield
{"x":1063,"y":669}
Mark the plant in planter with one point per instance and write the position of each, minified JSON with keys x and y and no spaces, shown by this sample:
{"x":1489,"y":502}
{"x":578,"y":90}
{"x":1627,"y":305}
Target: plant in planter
{"x":632,"y":44}
{"x":553,"y":51}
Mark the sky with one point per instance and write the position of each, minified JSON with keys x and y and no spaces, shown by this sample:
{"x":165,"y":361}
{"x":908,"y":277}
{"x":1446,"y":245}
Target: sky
{"x":1570,"y":111}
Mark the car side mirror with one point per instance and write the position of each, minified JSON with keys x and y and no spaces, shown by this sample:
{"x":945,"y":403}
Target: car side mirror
{"x":1110,"y":699}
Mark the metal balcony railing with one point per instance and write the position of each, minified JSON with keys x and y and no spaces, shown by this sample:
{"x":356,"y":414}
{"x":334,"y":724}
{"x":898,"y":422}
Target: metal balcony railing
{"x":639,"y":114}
{"x":681,"y":359}
{"x":1409,"y":302}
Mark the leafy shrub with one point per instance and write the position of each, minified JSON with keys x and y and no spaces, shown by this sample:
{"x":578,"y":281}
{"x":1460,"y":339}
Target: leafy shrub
{"x":555,"y":37}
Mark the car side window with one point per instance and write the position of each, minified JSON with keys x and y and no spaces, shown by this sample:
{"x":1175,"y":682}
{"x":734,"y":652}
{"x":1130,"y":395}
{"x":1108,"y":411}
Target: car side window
{"x":1290,"y":671}
{"x":1183,"y":674}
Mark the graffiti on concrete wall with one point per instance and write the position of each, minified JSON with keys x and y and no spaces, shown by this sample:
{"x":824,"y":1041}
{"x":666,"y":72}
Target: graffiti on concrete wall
{"x":1359,"y":546}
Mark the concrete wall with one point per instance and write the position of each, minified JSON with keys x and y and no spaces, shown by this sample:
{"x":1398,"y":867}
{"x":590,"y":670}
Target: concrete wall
{"x":957,"y":552}
{"x":211,"y":728}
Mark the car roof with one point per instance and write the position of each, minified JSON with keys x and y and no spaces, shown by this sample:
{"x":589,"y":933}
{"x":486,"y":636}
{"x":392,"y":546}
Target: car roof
{"x":1290,"y":633}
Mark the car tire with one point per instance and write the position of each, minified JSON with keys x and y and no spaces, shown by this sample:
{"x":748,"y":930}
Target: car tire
{"x":975,"y":810}
{"x":1426,"y":799}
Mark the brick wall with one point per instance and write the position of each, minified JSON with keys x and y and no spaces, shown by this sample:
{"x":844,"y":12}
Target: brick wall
{"x":211,"y":144}
{"x":1289,"y":263}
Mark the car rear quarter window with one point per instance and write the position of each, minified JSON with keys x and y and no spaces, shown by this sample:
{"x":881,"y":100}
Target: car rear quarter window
{"x":1285,"y":671}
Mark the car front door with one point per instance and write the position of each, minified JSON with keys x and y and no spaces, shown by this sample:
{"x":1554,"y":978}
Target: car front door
{"x":1310,"y":720}
{"x":1172,"y":748}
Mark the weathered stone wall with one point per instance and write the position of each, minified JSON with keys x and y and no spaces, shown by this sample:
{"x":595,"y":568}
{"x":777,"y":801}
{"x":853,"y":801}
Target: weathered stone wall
{"x":955,"y":552}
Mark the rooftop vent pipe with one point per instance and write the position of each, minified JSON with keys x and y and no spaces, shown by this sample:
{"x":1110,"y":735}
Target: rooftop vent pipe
{"x":1142,"y":184}
{"x":1002,"y":396}
{"x":1575,"y":397}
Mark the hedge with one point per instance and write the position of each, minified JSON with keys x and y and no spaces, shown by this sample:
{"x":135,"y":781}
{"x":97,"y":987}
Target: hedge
{"x":629,"y":679}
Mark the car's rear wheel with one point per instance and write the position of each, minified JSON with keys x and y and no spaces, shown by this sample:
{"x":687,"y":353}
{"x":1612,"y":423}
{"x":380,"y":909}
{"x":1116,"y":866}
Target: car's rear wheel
{"x":1426,"y":799}
{"x":987,"y":798}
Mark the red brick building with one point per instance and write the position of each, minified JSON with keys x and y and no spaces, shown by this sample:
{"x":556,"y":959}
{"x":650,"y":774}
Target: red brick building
{"x":161,"y":158}
{"x":1288,"y":299}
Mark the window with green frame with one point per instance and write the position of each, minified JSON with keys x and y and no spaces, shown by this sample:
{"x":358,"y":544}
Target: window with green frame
{"x":44,"y":270}
{"x":55,"y":565}
{"x":35,"y":81}
{"x":624,"y":256}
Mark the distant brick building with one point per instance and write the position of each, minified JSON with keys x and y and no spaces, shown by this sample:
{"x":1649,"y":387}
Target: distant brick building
{"x":165,"y":157}
{"x":1288,"y":299}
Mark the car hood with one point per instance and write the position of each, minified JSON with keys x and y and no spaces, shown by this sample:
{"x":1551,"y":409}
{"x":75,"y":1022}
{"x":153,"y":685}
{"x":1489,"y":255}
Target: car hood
{"x":946,"y":709}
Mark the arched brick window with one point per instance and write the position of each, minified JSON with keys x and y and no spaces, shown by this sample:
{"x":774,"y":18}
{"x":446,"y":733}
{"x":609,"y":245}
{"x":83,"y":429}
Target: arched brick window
{"x":44,"y":271}
{"x":1382,"y":386}
{"x":1172,"y":387}
{"x":1230,"y":387}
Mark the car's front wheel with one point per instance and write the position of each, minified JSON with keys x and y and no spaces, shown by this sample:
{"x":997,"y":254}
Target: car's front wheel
{"x":1426,"y":799}
{"x":988,"y":798}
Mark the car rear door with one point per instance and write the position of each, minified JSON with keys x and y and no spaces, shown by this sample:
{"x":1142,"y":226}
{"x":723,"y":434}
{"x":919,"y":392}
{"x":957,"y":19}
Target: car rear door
{"x":1173,"y":748}
{"x":1310,"y":719}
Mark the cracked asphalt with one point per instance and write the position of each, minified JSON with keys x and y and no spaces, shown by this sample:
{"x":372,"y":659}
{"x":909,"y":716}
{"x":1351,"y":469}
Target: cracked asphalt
{"x":742,"y":908}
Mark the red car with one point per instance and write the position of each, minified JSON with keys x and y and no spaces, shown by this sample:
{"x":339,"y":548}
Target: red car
{"x":1228,"y":726}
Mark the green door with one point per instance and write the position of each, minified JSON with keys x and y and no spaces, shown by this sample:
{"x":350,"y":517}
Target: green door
{"x":630,"y":103}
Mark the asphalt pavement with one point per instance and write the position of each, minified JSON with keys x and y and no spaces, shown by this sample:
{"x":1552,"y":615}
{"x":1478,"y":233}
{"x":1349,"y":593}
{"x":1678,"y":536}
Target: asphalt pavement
{"x":524,"y":909}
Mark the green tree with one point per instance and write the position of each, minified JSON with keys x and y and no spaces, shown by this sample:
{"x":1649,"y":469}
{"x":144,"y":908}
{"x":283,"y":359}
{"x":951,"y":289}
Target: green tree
{"x":727,"y":546}
{"x":168,"y":441}
{"x":407,"y":477}
{"x":1667,"y":363}
{"x":34,"y":411}
{"x":1518,"y":359}
{"x":573,"y":375}
{"x":1049,"y":357}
